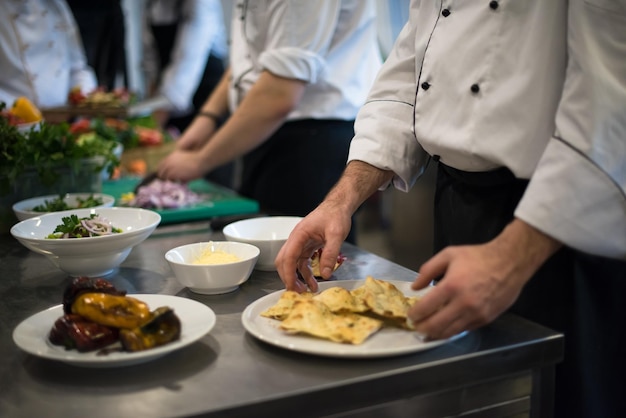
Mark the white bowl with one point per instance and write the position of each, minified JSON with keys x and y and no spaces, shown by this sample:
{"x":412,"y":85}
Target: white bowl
{"x":212,"y":279}
{"x":268,"y":233}
{"x":23,"y":209}
{"x":89,"y":256}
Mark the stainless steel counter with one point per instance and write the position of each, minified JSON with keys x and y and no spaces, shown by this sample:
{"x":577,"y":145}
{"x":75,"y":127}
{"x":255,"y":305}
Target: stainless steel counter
{"x":503,"y":369}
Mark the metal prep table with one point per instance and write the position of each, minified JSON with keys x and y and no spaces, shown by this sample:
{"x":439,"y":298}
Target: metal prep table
{"x":503,"y":369}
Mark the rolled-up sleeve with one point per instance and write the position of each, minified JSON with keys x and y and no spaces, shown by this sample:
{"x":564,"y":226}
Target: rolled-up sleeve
{"x":297,"y":45}
{"x":384,"y":134}
{"x":578,"y":192}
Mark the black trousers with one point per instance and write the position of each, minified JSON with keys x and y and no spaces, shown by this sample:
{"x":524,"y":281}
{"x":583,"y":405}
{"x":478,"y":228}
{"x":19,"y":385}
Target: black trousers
{"x":291,"y":173}
{"x":574,"y":293}
{"x":165,"y":37}
{"x":102,"y":31}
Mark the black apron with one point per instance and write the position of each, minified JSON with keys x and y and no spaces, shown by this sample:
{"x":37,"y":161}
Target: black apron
{"x":292,"y":172}
{"x":574,"y":293}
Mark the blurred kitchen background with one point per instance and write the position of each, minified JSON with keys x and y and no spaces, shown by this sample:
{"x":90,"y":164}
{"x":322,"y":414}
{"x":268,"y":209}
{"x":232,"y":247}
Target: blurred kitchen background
{"x":392,"y":224}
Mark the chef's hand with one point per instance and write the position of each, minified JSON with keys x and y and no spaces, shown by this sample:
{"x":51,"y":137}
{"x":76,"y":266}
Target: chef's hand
{"x":326,"y":227}
{"x":479,"y":281}
{"x":181,"y":166}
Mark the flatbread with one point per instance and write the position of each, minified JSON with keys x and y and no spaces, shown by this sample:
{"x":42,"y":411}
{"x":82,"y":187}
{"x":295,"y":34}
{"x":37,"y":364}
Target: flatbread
{"x":315,"y":263}
{"x":285,"y":304}
{"x":341,"y":315}
{"x":339,"y":300}
{"x":314,"y":318}
{"x":383,"y":298}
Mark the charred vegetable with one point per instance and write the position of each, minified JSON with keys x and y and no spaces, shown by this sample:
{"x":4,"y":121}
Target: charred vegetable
{"x":75,"y":332}
{"x":96,"y":314}
{"x":163,"y":328}
{"x":82,"y":285}
{"x":111,"y":310}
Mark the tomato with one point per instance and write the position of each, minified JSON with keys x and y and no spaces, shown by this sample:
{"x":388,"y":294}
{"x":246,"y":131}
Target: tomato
{"x":81,"y":126}
{"x":148,"y":136}
{"x":75,"y":96}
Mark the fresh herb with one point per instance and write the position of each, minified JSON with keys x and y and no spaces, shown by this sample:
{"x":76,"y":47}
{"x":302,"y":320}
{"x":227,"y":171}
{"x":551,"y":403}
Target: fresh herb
{"x":58,"y":204}
{"x":70,"y":223}
{"x":88,"y":202}
{"x":89,"y":226}
{"x":118,"y":131}
{"x":46,"y":148}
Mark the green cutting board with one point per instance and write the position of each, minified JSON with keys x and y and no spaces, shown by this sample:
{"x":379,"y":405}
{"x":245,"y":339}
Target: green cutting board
{"x":218,"y":201}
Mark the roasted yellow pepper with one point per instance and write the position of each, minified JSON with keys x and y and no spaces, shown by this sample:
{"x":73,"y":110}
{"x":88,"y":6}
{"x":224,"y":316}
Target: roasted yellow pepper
{"x":111,"y":310}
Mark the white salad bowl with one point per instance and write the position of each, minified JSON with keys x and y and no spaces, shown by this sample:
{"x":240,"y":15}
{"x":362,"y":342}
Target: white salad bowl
{"x":24,"y":209}
{"x":88,"y":256}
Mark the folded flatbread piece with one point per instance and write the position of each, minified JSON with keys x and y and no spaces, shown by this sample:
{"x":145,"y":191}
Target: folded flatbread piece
{"x":313,"y":317}
{"x":315,"y":262}
{"x":340,"y":300}
{"x":281,"y":309}
{"x":382,"y":298}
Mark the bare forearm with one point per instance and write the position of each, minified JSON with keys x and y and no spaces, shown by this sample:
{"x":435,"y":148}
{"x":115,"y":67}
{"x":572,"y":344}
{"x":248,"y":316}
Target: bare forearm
{"x":217,"y":102}
{"x":358,"y":182}
{"x":202,"y":127}
{"x":526,"y":245}
{"x":259,"y":115}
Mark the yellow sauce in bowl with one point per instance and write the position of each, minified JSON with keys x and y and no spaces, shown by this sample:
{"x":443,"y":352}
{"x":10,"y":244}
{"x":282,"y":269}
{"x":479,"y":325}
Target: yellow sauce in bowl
{"x":210,"y":256}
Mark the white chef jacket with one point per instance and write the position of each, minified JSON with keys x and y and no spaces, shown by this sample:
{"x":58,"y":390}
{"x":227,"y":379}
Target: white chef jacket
{"x":536,"y":86}
{"x":201,"y":32}
{"x":41,"y":54}
{"x":330,"y":44}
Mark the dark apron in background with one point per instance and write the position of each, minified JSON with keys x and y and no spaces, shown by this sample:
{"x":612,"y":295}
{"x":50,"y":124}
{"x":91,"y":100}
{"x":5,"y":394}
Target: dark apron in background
{"x":102,"y":29}
{"x":574,"y":293}
{"x":292,"y":172}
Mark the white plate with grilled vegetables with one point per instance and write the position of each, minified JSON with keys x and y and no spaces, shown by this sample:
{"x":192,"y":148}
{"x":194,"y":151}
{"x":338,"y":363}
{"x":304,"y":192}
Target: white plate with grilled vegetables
{"x":385,"y":342}
{"x":196,"y":320}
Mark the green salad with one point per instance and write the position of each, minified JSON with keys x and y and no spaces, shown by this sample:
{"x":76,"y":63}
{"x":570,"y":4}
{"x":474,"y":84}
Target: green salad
{"x":90,"y":226}
{"x":59,"y":204}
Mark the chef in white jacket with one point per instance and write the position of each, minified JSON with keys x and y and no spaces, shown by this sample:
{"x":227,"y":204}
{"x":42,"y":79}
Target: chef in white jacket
{"x":522,"y":104}
{"x":41,"y":53}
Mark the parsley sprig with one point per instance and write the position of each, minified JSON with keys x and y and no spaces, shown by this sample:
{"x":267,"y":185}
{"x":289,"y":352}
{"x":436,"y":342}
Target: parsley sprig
{"x":70,"y":223}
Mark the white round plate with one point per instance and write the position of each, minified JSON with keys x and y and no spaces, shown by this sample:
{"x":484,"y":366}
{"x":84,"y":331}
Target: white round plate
{"x":385,"y":343}
{"x":31,"y":335}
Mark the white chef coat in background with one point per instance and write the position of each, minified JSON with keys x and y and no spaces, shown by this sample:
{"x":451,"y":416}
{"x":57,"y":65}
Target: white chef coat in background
{"x":534,"y":86}
{"x":41,"y":54}
{"x":321,"y":49}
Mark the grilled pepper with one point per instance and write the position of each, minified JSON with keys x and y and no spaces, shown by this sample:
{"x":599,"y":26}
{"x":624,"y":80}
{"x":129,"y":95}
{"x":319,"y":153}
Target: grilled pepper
{"x":80,"y":285}
{"x":162,"y":328}
{"x":111,"y":310}
{"x":74,"y":331}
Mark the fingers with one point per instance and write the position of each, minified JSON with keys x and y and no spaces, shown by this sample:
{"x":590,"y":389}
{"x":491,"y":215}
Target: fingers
{"x":180,"y":166}
{"x":304,"y":267}
{"x":293,"y":257}
{"x":431,"y":270}
{"x":329,"y":258}
{"x":438,"y":317}
{"x":428,"y":305}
